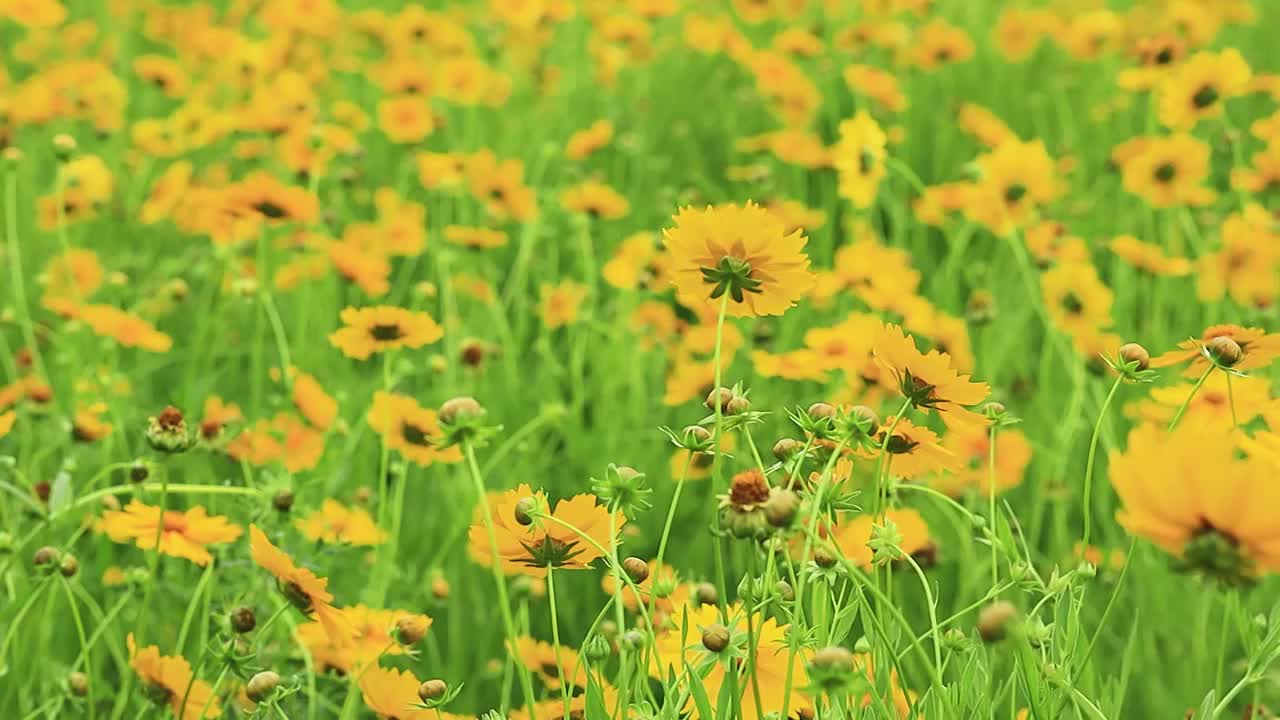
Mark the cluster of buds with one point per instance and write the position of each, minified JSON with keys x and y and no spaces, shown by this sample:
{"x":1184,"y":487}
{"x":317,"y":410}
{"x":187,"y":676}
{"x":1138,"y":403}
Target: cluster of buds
{"x":753,"y":510}
{"x":853,"y":426}
{"x":49,"y":559}
{"x":624,"y":488}
{"x":168,"y":432}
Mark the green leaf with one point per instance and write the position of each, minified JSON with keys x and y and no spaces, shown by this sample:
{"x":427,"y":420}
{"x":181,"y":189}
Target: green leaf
{"x":700,"y":700}
{"x":60,"y":493}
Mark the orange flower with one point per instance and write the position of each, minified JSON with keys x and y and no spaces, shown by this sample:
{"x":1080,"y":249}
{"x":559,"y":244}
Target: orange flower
{"x":410,"y":429}
{"x":312,"y":401}
{"x":181,"y":534}
{"x":852,"y":537}
{"x":173,"y":682}
{"x":531,"y":549}
{"x":371,"y":637}
{"x":125,"y":328}
{"x":1258,"y":349}
{"x":560,"y":303}
{"x":928,"y":379}
{"x":336,"y":523}
{"x":377,"y":329}
{"x":393,"y":694}
{"x":300,"y":586}
{"x":406,"y":118}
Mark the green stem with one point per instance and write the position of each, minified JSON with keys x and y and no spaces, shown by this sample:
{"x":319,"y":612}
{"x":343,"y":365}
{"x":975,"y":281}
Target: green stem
{"x":84,"y":646}
{"x":1186,"y":403}
{"x":555,"y":639}
{"x":1088,"y":472}
{"x":499,"y":578}
{"x":933,"y":619}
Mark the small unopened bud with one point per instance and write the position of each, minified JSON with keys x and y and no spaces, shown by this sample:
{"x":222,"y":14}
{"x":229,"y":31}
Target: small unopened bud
{"x":261,"y":686}
{"x":46,"y":555}
{"x":12,"y":156}
{"x":242,"y":619}
{"x":720,"y":397}
{"x":139,"y":472}
{"x":706,"y":594}
{"x":283,"y":501}
{"x":472,"y":352}
{"x":598,"y":648}
{"x":1135,"y":353}
{"x":715,"y":638}
{"x":410,"y":629}
{"x":995,"y":620}
{"x":738,"y":405}
{"x":835,"y":657}
{"x":167,"y":432}
{"x":785,"y":591}
{"x":785,"y":448}
{"x":432,"y":690}
{"x":525,"y":509}
{"x":69,"y":565}
{"x":636,"y":569}
{"x":697,"y":433}
{"x":78,"y":684}
{"x":460,"y":409}
{"x":780,"y":509}
{"x":1225,"y":351}
{"x":867,"y":416}
{"x":822,"y":410}
{"x":632,"y":639}
{"x":994,"y":409}
{"x":440,"y":587}
{"x":64,"y":147}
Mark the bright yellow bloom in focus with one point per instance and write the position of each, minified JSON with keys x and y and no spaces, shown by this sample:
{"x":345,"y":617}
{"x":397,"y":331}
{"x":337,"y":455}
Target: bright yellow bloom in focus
{"x":531,"y":549}
{"x":1190,"y":494}
{"x":181,"y":534}
{"x":682,"y":644}
{"x":928,"y":379}
{"x":171,"y":680}
{"x":369,"y":330}
{"x":1258,"y":349}
{"x":860,"y":156}
{"x":336,"y":523}
{"x":300,"y":586}
{"x":738,"y":251}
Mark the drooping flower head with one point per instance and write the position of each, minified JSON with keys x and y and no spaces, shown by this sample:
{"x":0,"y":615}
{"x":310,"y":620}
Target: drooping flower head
{"x":531,"y":548}
{"x":928,"y":379}
{"x":300,"y":586}
{"x":181,"y":534}
{"x":169,"y":681}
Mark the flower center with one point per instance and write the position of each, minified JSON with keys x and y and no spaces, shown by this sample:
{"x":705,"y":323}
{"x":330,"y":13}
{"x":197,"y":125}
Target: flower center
{"x":414,"y":435}
{"x":866,"y":162}
{"x":1205,"y":97}
{"x":748,"y":488}
{"x":1072,"y":304}
{"x":1166,"y":172}
{"x":386,"y":333}
{"x":1217,"y":554}
{"x":1015,"y":192}
{"x":268,"y":209}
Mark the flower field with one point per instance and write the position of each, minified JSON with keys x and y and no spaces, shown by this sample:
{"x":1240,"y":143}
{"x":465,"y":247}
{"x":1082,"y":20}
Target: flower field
{"x":640,"y":359}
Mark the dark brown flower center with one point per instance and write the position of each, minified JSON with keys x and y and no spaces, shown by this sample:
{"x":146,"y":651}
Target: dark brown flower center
{"x":414,"y":435}
{"x":1205,"y":97}
{"x":1165,"y":172}
{"x":386,"y":332}
{"x":748,"y":488}
{"x":268,"y":209}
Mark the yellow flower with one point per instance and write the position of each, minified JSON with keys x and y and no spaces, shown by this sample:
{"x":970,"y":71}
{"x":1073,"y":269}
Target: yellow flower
{"x":914,"y":450}
{"x":928,"y":379}
{"x":312,"y":401}
{"x":1258,"y":349}
{"x":877,"y":84}
{"x":370,"y":637}
{"x":181,"y":534}
{"x":531,"y":549}
{"x":406,"y":118}
{"x":6,"y":422}
{"x":300,"y":586}
{"x":475,"y":237}
{"x":393,"y":694}
{"x":589,"y":140}
{"x":170,"y":681}
{"x":972,"y":446}
{"x":1213,"y":405}
{"x":1149,"y":257}
{"x":377,"y":329}
{"x":1168,"y":171}
{"x":1196,"y":89}
{"x":740,"y":252}
{"x":682,"y":644}
{"x":852,"y":536}
{"x":596,"y":199}
{"x":410,"y":429}
{"x":560,"y":303}
{"x":1190,"y":494}
{"x":630,"y":264}
{"x":860,"y":157}
{"x":336,"y":523}
{"x":1076,"y":299}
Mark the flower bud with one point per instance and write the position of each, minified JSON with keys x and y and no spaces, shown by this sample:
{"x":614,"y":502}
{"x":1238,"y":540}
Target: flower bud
{"x":12,"y":156}
{"x":720,"y":397}
{"x":706,"y":594}
{"x":46,"y":555}
{"x":242,"y":619}
{"x":283,"y":501}
{"x":1135,"y":353}
{"x":835,"y":657}
{"x":440,"y":587}
{"x":598,"y":648}
{"x":460,"y":409}
{"x":69,"y":565}
{"x":632,"y":639}
{"x":738,"y":405}
{"x":697,"y":433}
{"x":167,"y":432}
{"x":715,"y":638}
{"x":525,"y":509}
{"x":64,"y":147}
{"x":781,"y":507}
{"x":995,"y":621}
{"x":636,"y":569}
{"x":139,"y":472}
{"x":787,"y":447}
{"x":261,"y":686}
{"x":866,"y":415}
{"x":822,"y":410}
{"x":78,"y":684}
{"x":1225,"y":351}
{"x":410,"y":629}
{"x":784,"y":590}
{"x":432,"y":690}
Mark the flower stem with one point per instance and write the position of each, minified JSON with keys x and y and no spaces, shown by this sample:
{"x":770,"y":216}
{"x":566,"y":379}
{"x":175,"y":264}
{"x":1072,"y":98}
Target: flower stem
{"x":991,"y":503}
{"x":555,"y":638}
{"x":1088,"y":472}
{"x":1186,"y":403}
{"x":504,"y":607}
